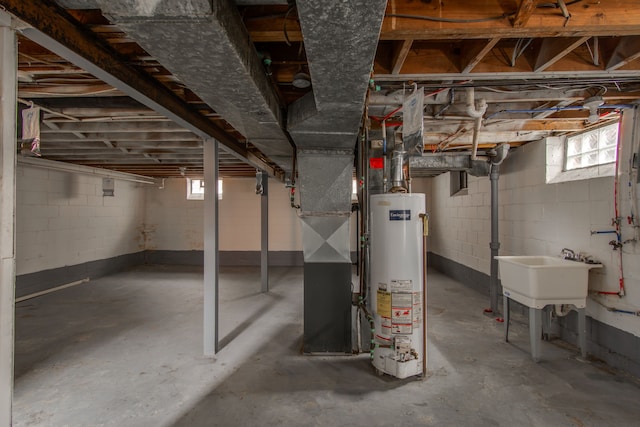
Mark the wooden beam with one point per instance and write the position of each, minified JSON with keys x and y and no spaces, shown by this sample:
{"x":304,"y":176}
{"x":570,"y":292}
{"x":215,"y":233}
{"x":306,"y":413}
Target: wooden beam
{"x":627,"y":50}
{"x":475,"y":52}
{"x":124,"y":136}
{"x":554,"y":49}
{"x":506,"y":76}
{"x":109,"y":127}
{"x":272,"y":30}
{"x":525,"y":10}
{"x":609,"y":18}
{"x":510,"y":125}
{"x":433,"y":147}
{"x":400,"y":55}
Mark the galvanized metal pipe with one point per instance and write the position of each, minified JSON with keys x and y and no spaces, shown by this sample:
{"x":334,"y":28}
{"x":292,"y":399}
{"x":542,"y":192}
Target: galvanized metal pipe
{"x":397,"y":176}
{"x":494,"y":291}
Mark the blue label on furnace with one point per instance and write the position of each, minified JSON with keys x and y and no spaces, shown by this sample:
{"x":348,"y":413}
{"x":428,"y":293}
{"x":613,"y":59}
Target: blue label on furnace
{"x":400,"y":215}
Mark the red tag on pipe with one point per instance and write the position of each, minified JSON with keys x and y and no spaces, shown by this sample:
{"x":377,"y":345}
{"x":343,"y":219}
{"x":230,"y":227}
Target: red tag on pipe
{"x":376,"y":163}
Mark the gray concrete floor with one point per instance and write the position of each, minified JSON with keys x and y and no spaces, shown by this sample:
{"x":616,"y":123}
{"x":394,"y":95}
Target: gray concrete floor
{"x":126,"y":350}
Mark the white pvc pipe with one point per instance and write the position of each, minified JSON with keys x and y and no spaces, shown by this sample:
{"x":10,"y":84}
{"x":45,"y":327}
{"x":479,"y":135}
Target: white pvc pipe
{"x":48,"y":291}
{"x":476,"y":134}
{"x":476,"y":113}
{"x":85,"y":170}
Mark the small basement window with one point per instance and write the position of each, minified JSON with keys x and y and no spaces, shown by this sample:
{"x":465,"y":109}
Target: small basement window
{"x":585,"y":155}
{"x":195,"y":189}
{"x":459,"y":183}
{"x":593,"y":148}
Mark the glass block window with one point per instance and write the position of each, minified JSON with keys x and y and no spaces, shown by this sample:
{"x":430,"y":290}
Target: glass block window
{"x":195,"y":189}
{"x":592,"y":148}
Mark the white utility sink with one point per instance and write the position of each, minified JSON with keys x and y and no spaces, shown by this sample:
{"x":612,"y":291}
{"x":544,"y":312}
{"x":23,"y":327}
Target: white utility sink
{"x":537,"y":281}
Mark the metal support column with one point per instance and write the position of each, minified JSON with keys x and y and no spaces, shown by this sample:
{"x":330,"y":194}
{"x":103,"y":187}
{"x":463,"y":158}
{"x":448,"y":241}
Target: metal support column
{"x":582,"y":332}
{"x":8,"y":53}
{"x":535,"y":332}
{"x":210,"y":247}
{"x":494,"y":291}
{"x":264,"y":232}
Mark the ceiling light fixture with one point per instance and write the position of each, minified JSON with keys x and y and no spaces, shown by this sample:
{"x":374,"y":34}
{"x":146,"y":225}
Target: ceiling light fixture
{"x":592,"y":104}
{"x":301,"y":80}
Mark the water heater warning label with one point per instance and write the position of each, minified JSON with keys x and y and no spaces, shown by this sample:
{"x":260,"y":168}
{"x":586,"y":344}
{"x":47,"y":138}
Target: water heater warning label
{"x":401,"y":313}
{"x":383,"y":299}
{"x":401,"y":286}
{"x":400,"y":215}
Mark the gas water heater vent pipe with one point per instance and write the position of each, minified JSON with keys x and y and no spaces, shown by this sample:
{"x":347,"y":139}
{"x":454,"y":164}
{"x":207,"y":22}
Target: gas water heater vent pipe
{"x":475,"y":112}
{"x":397,"y":175}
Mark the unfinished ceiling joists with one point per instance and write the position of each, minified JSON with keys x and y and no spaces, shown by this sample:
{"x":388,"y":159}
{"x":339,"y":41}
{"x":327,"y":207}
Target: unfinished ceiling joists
{"x":495,"y":46}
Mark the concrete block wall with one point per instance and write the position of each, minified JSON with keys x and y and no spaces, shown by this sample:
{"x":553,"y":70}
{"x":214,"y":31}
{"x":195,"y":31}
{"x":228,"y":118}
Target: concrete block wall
{"x":62,"y":219}
{"x":460,"y":225}
{"x":537,"y":219}
{"x":171,"y":222}
{"x":175,"y":223}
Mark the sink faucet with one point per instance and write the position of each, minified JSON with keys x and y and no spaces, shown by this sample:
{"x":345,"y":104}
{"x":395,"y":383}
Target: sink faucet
{"x":567,"y":253}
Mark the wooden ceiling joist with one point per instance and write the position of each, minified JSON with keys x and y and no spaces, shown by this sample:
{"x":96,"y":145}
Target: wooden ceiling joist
{"x":627,"y":50}
{"x":525,"y":10}
{"x":553,"y":50}
{"x":400,"y":55}
{"x":121,"y":127}
{"x":475,"y":51}
{"x":468,"y":19}
{"x":430,"y":42}
{"x":52,"y":27}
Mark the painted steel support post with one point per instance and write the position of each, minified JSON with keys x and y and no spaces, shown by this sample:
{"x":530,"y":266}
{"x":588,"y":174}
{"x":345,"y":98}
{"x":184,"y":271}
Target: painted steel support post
{"x":264,"y":232}
{"x":494,"y":291}
{"x":582,"y":331}
{"x":8,"y":53}
{"x":211,"y":247}
{"x":535,"y":332}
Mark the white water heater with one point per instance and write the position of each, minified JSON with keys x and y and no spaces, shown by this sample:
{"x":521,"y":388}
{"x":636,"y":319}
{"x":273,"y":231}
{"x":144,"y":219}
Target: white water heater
{"x":397,"y":295}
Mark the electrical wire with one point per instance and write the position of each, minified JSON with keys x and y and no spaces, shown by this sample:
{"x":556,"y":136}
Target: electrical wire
{"x":284,"y":25}
{"x":450,"y":20}
{"x":521,"y":46}
{"x":555,"y":5}
{"x":471,"y":21}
